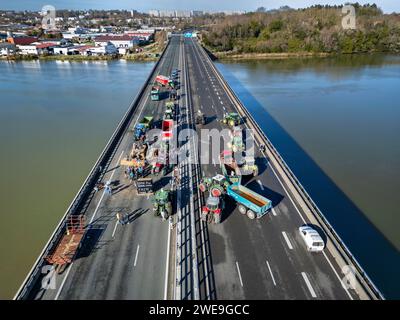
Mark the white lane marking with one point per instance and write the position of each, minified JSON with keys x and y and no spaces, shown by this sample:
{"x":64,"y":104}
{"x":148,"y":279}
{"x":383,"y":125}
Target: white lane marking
{"x":240,"y":276}
{"x":137,"y":252}
{"x":261,"y":185}
{"x":273,"y":212}
{"x":347,"y":291}
{"x":102,"y":196}
{"x":63,"y":282}
{"x":167,"y":263}
{"x":287,"y":240}
{"x":290,"y":198}
{"x":270,"y":271}
{"x":115,"y":228}
{"x":310,"y":288}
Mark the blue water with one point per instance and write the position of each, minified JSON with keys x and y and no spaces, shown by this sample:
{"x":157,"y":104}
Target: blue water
{"x":336,"y":122}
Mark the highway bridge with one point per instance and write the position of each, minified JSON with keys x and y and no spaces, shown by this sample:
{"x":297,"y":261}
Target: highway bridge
{"x":187,"y":258}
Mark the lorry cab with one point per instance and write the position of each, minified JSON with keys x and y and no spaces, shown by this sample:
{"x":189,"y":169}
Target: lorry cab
{"x":312,"y":239}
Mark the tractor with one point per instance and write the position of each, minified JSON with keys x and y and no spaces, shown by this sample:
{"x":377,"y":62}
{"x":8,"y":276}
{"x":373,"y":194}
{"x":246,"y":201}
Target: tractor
{"x":216,"y":185}
{"x":200,"y":118}
{"x":236,"y":143}
{"x":162,"y":204}
{"x":232,"y":119}
{"x":211,"y":211}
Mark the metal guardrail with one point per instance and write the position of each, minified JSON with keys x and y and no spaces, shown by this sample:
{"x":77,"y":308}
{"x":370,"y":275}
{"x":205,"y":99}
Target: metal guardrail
{"x":85,"y":189}
{"x":363,"y":278}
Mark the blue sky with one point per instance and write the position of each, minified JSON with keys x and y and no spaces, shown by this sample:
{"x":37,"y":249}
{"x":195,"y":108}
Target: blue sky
{"x":144,"y":6}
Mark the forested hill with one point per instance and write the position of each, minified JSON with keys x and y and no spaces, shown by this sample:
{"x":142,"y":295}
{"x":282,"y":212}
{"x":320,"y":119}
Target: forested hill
{"x":317,"y":29}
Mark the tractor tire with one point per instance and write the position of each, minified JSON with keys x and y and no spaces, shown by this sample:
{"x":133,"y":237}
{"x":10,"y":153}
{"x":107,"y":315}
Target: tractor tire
{"x":216,"y":191}
{"x":251,"y":214}
{"x":202,"y":187}
{"x":242,"y":209}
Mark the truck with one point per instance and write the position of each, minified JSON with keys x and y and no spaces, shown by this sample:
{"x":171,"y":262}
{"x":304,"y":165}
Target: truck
{"x":249,"y":202}
{"x":155,"y":93}
{"x":167,"y":128}
{"x":165,"y":81}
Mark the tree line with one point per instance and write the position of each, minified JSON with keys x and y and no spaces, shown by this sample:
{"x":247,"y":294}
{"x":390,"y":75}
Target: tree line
{"x":317,"y":29}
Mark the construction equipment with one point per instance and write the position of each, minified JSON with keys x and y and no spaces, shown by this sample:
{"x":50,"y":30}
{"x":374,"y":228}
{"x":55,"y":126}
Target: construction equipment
{"x":69,"y":244}
{"x":162,"y":204}
{"x":232,"y":119}
{"x":211,"y":211}
{"x":249,"y":202}
{"x":200,"y":118}
{"x":155,"y":93}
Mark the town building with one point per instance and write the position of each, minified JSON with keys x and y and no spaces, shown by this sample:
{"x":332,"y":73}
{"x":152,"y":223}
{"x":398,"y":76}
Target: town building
{"x":124,"y":41}
{"x":7,"y":49}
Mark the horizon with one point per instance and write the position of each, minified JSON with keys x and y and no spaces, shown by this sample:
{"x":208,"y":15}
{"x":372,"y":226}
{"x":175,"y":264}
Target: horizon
{"x":387,"y":6}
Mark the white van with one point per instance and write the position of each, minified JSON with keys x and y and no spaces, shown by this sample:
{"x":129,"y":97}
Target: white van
{"x":312,"y":239}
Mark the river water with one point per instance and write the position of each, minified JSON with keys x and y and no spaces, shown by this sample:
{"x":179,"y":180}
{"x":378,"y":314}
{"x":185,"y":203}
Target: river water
{"x":336,"y":121}
{"x":55,"y":119}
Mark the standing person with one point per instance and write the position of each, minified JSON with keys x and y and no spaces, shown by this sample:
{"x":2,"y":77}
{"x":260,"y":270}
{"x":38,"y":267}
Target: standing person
{"x":131,"y":175}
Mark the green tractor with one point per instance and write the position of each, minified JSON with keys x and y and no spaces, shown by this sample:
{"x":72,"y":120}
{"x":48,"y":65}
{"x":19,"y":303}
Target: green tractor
{"x":216,"y":185}
{"x":232,"y":119}
{"x":162,"y":204}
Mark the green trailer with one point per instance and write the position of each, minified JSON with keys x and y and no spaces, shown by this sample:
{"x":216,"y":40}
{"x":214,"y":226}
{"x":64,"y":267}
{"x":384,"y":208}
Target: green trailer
{"x":155,"y":93}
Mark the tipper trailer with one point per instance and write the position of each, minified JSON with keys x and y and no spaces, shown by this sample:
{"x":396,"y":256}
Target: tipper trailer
{"x":249,"y":202}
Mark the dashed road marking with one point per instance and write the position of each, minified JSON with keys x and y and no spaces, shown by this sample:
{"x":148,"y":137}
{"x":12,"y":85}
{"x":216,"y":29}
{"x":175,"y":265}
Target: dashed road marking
{"x":240,"y":276}
{"x":136,"y":256}
{"x":270,"y":271}
{"x":310,"y":288}
{"x":287,"y":240}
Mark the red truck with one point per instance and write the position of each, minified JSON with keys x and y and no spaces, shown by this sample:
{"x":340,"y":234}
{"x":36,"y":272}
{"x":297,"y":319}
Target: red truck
{"x":162,"y":80}
{"x":167,"y":127}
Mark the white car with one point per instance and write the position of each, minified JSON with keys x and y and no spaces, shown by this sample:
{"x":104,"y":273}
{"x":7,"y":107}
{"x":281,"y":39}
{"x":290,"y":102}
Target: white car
{"x":312,"y":239}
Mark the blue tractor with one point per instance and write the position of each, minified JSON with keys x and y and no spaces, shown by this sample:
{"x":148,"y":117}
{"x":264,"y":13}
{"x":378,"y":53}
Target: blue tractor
{"x":140,"y":131}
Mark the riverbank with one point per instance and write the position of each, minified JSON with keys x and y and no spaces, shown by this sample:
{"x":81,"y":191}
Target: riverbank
{"x":267,"y":56}
{"x":130,"y":57}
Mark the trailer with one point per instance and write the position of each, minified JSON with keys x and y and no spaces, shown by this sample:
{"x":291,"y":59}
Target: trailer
{"x":167,"y":127}
{"x":230,"y":166}
{"x":155,"y":93}
{"x":69,"y":244}
{"x":249,"y":202}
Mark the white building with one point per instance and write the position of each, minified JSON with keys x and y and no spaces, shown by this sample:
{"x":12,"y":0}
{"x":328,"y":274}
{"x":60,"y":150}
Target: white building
{"x":6,"y":49}
{"x":124,"y":41}
{"x":154,"y":13}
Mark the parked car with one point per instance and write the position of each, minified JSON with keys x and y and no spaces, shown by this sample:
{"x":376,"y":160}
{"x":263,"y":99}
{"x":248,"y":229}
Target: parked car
{"x":312,"y":238}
